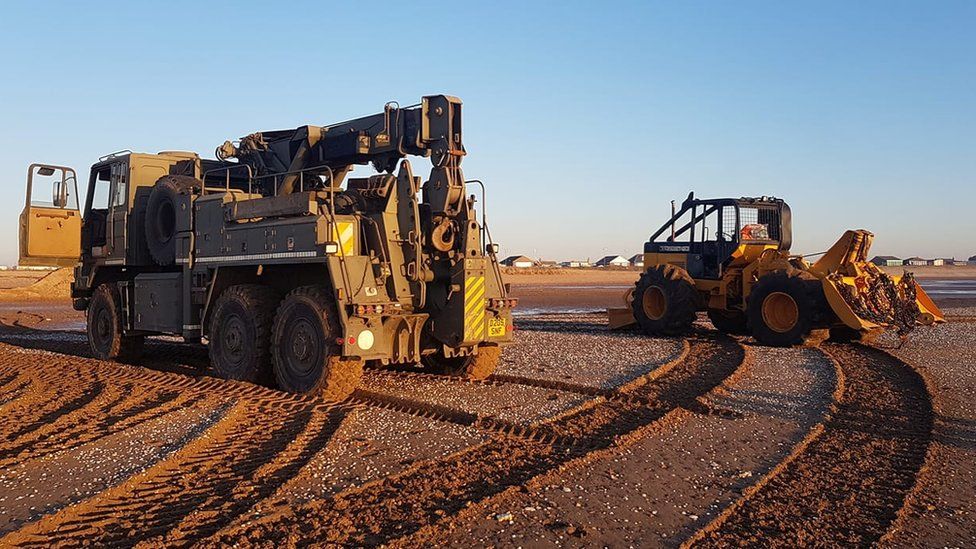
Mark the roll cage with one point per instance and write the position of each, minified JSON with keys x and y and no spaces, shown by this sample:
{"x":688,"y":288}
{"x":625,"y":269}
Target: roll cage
{"x":710,"y":230}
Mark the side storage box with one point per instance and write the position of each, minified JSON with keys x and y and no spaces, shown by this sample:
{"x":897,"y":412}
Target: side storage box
{"x":158,"y":303}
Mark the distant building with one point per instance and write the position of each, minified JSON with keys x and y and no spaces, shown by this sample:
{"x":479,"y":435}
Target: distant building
{"x":972,"y":260}
{"x":613,"y":261}
{"x":519,"y":261}
{"x":575,"y":263}
{"x":916,"y":262}
{"x":637,"y":260}
{"x":887,"y":261}
{"x":547,"y":264}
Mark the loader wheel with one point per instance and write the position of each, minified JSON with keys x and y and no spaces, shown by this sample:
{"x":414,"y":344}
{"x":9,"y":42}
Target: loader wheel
{"x":784,"y":307}
{"x":477,"y":366}
{"x":729,"y":322}
{"x":161,"y":211}
{"x":304,"y":352}
{"x":105,"y":328}
{"x":665,"y":301}
{"x":240,"y":333}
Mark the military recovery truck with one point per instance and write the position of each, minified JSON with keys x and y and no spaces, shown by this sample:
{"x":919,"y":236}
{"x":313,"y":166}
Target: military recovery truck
{"x":290,"y":276}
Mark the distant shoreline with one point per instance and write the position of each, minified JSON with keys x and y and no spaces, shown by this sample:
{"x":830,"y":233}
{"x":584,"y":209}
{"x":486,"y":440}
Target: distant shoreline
{"x":616,"y":274}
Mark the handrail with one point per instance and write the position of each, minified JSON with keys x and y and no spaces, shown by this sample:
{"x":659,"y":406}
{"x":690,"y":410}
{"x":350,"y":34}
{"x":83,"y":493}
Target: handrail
{"x":486,"y":239}
{"x":114,"y":154}
{"x":227,"y":169}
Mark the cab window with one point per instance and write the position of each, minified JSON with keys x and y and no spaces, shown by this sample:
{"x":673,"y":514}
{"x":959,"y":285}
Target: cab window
{"x":47,"y":185}
{"x":120,"y":184}
{"x":101,"y":180}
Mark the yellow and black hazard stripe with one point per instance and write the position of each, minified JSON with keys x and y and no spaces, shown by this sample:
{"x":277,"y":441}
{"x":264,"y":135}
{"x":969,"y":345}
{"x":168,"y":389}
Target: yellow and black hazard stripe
{"x":344,"y":232}
{"x":474,"y":308}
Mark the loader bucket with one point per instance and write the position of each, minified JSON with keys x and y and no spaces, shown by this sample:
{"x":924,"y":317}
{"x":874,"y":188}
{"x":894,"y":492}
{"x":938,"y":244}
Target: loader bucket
{"x":875,"y":300}
{"x":622,"y":317}
{"x":843,"y":309}
{"x":931,"y":313}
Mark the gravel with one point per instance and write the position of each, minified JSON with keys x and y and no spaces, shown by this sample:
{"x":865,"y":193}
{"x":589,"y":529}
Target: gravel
{"x":586,"y":353}
{"x":374,"y":443}
{"x":662,"y":488}
{"x":509,"y":402}
{"x":944,"y":511}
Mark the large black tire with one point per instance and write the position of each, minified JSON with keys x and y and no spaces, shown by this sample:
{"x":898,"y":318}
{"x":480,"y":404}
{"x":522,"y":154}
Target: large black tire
{"x":784,"y":307}
{"x":105,"y":328}
{"x":729,"y":322}
{"x":161,"y":212}
{"x":304,"y":352}
{"x":665,"y":301}
{"x":477,"y":366}
{"x":240,"y":333}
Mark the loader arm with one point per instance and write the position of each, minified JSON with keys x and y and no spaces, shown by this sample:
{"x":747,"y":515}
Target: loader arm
{"x":850,"y":250}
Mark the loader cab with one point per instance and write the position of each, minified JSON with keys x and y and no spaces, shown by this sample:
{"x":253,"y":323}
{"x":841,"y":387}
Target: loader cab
{"x":706,"y":236}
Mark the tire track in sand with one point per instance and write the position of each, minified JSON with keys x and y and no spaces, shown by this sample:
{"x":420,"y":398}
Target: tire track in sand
{"x":428,"y":494}
{"x":846,"y":482}
{"x":209,"y":475}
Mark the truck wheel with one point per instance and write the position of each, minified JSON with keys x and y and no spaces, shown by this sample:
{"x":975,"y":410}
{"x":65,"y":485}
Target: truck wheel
{"x":304,"y":352}
{"x":783,"y":308}
{"x":729,"y":322}
{"x":161,"y":211}
{"x":477,"y":366}
{"x":240,"y":333}
{"x":105,"y":328}
{"x":665,"y":301}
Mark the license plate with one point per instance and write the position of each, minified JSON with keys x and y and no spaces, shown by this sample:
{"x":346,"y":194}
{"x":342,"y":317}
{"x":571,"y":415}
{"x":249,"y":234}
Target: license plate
{"x":496,"y":327}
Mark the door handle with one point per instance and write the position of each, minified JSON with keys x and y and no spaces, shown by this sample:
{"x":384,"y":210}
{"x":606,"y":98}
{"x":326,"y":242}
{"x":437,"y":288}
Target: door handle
{"x":58,"y":215}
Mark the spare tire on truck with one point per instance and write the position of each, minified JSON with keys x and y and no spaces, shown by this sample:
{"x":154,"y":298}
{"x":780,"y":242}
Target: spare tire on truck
{"x":161,"y":211}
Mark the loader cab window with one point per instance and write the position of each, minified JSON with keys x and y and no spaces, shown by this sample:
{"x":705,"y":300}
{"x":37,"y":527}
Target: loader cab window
{"x":708,"y":225}
{"x":682,"y":222}
{"x":760,"y":224}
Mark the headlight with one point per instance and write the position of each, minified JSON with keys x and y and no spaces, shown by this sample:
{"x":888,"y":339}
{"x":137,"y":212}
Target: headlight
{"x":365,"y":340}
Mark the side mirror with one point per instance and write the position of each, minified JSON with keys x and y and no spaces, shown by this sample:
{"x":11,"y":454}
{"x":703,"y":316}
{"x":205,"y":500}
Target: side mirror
{"x":492,"y":248}
{"x":60,"y":194}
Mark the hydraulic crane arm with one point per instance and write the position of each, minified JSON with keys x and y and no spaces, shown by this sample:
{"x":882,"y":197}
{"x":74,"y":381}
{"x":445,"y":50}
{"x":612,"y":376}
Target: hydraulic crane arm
{"x":432,"y":128}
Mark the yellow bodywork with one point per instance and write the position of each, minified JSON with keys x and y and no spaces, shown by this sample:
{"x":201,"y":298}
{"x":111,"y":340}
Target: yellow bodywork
{"x":50,"y":232}
{"x":49,"y":237}
{"x":843,"y":269}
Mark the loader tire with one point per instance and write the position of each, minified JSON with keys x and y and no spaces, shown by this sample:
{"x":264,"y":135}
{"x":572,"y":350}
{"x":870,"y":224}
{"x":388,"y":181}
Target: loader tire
{"x":784,"y":307}
{"x":729,"y":322}
{"x":240,"y":333}
{"x":304,"y":354}
{"x":161,"y":212}
{"x":478,"y":366}
{"x":665,"y":301}
{"x":105,"y":328}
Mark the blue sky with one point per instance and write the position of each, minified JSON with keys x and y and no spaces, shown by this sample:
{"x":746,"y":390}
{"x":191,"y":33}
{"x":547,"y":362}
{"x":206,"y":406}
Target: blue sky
{"x":584,"y":119}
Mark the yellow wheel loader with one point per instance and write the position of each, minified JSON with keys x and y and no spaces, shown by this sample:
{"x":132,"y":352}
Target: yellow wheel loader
{"x":730,"y":258}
